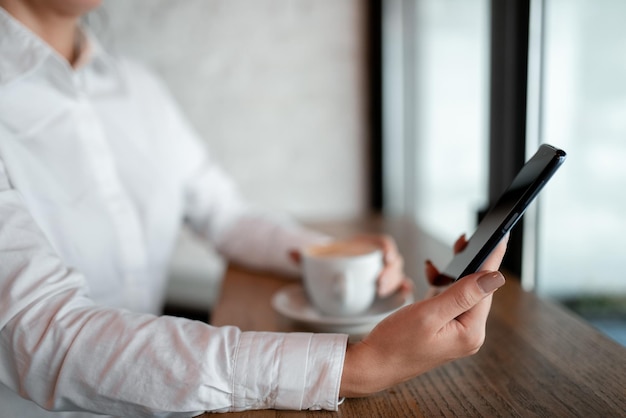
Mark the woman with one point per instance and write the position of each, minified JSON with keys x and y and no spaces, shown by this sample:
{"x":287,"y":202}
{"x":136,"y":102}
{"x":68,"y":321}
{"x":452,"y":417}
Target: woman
{"x":97,"y":170}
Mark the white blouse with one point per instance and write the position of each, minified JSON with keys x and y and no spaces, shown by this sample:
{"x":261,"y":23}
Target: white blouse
{"x":97,"y":171}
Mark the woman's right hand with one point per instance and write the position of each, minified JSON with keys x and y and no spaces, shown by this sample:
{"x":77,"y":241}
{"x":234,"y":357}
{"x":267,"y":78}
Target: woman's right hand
{"x":426,"y":334}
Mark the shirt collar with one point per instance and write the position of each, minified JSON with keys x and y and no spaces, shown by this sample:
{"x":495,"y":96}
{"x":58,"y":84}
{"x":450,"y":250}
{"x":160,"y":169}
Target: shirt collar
{"x":23,"y":52}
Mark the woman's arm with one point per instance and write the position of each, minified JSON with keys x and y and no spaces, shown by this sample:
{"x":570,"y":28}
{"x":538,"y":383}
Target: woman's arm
{"x":64,"y":352}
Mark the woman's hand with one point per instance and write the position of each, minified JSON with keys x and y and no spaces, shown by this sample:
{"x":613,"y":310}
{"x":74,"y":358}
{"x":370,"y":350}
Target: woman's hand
{"x":426,"y":334}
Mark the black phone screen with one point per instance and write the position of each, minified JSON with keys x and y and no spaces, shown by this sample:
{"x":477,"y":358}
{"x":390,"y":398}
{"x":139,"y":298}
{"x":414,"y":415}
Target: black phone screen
{"x":508,"y":209}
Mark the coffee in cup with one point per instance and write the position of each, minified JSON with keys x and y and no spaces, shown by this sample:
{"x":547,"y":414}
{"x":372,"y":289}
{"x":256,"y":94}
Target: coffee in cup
{"x":340,"y":277}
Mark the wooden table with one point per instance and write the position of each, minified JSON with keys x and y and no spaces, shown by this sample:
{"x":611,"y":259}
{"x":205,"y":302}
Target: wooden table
{"x":538,"y":358}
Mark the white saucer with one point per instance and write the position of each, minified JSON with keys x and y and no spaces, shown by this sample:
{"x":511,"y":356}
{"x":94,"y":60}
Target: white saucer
{"x":292,"y":302}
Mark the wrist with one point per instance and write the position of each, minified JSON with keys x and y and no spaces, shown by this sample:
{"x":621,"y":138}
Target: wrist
{"x":359,"y":371}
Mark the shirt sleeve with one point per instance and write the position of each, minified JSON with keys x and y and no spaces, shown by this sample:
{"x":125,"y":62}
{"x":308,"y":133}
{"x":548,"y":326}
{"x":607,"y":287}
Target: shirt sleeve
{"x":64,"y":352}
{"x":242,"y":233}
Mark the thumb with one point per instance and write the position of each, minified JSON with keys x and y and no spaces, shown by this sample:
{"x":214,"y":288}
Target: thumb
{"x":466,"y":293}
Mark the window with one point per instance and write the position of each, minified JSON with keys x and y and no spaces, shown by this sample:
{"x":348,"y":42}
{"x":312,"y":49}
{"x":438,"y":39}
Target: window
{"x":563,"y":68}
{"x":582,"y":219}
{"x":436,"y":91}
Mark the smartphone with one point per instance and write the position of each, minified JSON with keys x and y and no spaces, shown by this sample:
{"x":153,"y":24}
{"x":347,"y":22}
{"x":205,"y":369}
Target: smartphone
{"x":507,"y":210}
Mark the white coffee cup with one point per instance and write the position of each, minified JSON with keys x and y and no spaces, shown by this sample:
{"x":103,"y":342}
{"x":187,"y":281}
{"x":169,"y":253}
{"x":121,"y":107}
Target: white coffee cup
{"x":340,"y":277}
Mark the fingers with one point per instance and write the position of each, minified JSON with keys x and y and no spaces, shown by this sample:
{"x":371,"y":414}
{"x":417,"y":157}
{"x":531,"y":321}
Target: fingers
{"x":390,"y":286}
{"x":434,"y":277}
{"x":392,"y":276}
{"x":460,"y":244}
{"x":295,"y":256}
{"x":432,"y":273}
{"x":464,"y":295}
{"x":406,"y":287}
{"x":492,"y":262}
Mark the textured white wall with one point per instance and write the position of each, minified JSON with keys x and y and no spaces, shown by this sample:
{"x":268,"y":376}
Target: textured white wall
{"x":274,"y":86}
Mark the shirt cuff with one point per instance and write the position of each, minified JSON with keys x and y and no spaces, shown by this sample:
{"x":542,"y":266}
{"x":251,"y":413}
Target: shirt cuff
{"x":288,"y":371}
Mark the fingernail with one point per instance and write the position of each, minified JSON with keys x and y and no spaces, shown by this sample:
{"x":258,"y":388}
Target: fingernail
{"x":442,"y":280}
{"x":490,"y":281}
{"x":428,"y":265}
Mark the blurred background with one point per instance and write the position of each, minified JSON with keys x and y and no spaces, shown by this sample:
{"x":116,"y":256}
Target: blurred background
{"x":330,"y":109}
